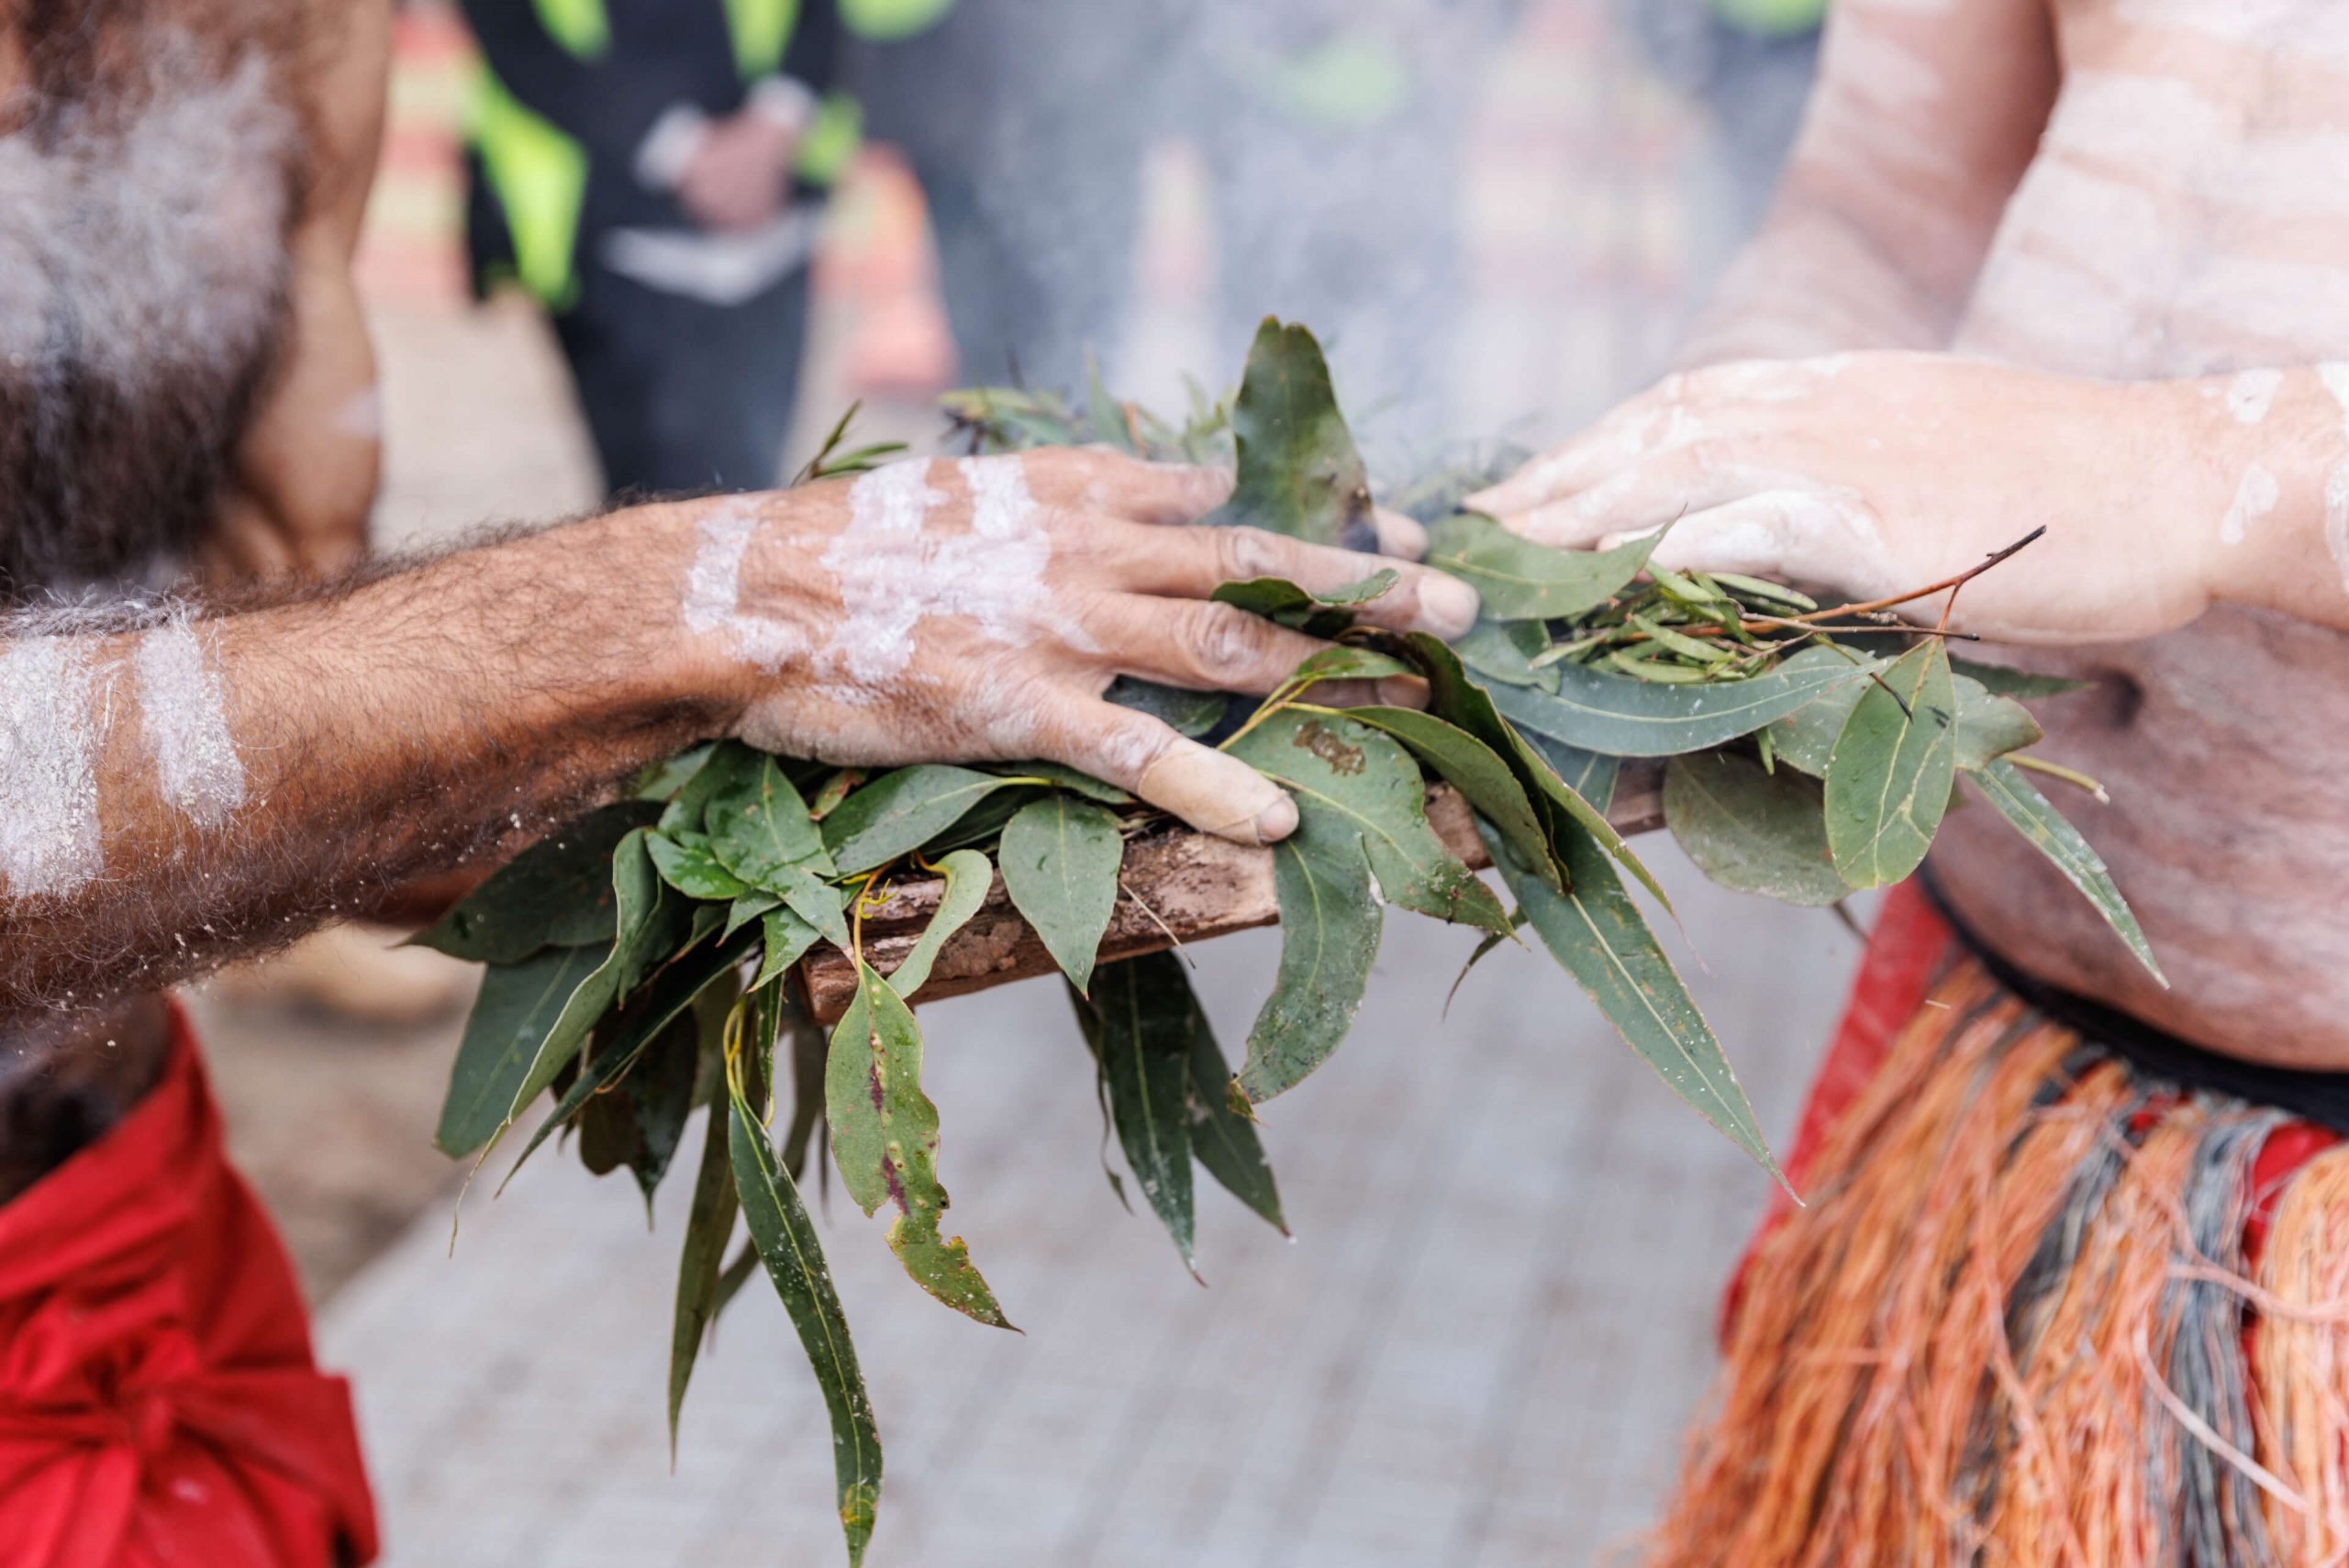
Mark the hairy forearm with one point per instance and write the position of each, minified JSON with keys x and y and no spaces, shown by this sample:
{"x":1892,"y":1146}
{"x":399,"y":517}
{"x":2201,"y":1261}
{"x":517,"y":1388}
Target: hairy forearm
{"x":207,"y":785}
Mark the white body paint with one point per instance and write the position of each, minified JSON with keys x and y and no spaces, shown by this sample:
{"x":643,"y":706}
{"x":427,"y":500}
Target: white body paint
{"x":2251,"y":393}
{"x":157,"y":240}
{"x":2255,"y":498}
{"x":52,"y":718}
{"x":184,"y":709}
{"x":2335,"y":377}
{"x":894,"y":574}
{"x":712,"y":603}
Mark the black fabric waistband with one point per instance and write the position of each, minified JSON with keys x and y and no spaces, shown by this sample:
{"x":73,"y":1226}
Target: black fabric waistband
{"x":2318,"y":1098}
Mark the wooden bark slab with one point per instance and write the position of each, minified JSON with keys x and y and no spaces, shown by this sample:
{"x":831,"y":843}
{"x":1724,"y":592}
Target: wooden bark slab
{"x":1178,"y":886}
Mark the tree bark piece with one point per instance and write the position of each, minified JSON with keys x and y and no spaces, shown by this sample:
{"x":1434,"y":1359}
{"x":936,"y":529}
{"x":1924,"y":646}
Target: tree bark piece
{"x":1177,"y":886}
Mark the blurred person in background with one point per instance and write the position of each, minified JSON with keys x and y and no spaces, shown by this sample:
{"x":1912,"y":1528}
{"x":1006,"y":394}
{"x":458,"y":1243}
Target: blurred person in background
{"x":2069,"y":1284}
{"x":1747,"y":64}
{"x":652,"y":173}
{"x":1331,"y":135}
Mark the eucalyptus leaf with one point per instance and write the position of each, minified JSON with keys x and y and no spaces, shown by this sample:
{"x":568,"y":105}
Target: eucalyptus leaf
{"x":1804,"y":739}
{"x":1597,"y":936}
{"x":1348,"y":776}
{"x":2021,"y":803}
{"x":1187,"y":712}
{"x":1516,"y":579}
{"x":1624,"y":718}
{"x":748,"y":908}
{"x":1889,"y":778}
{"x":785,"y":1237}
{"x":708,"y":1223}
{"x":725,"y":762}
{"x":660,"y":1097}
{"x":1069,"y":779}
{"x":759,"y":828}
{"x":1060,"y":859}
{"x":1347,"y":663}
{"x":692,"y":871}
{"x":885,"y":1140}
{"x":1223,"y":1141}
{"x":518,"y":1007}
{"x":1750,"y":830}
{"x":1140,"y":1030}
{"x":557,"y":893}
{"x":2001,"y":681}
{"x":1329,"y":927}
{"x":1317,"y":614}
{"x":1495,"y":650}
{"x":967,"y":878}
{"x":1989,"y":726}
{"x":900,"y":812}
{"x":1469,"y":766}
{"x":1299,"y":473}
{"x":785,"y":939}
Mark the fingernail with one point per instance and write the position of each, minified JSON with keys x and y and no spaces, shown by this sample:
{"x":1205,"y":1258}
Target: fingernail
{"x":1276,"y":822}
{"x":1447,"y":606}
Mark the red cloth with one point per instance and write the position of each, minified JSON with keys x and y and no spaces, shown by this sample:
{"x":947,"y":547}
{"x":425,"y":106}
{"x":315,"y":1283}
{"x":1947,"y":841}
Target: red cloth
{"x":159,"y":1404}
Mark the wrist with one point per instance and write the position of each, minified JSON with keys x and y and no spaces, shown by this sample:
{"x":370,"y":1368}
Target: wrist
{"x":2272,"y":436}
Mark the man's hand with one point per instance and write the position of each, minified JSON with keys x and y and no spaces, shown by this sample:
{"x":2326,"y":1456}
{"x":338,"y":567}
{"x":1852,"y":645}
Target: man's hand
{"x":976,"y":610}
{"x":738,"y":176}
{"x":1873,"y":474}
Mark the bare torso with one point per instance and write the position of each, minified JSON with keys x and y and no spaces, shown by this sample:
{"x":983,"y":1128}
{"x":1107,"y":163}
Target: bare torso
{"x":2187,"y":215}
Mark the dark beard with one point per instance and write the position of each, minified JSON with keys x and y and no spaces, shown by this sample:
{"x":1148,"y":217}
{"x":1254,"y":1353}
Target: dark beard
{"x":148,"y":182}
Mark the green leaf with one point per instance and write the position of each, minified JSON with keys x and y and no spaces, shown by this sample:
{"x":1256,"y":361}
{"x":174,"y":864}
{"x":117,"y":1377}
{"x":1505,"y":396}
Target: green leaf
{"x":557,"y":893}
{"x":1597,"y":935}
{"x":728,"y":762}
{"x":1347,"y":776}
{"x":885,"y":1140}
{"x":1188,"y":714}
{"x":809,"y":1048}
{"x":2001,"y":681}
{"x":785,"y":1237}
{"x":1494,"y":650}
{"x":1345,"y":662}
{"x":2020,"y":802}
{"x":1518,"y":580}
{"x":1069,"y":778}
{"x":901,"y":811}
{"x":1222,"y":1140}
{"x":1140,"y":1028}
{"x":1804,"y":739}
{"x":1559,"y":803}
{"x":1624,"y":718}
{"x":968,"y":876}
{"x":1329,"y":927}
{"x":708,"y":1225}
{"x":518,"y":1007}
{"x":660,"y":1097}
{"x":787,"y":939}
{"x":747,"y":909}
{"x":1317,"y":614}
{"x":1889,"y":778}
{"x":1060,"y":859}
{"x":692,"y":871}
{"x":1989,"y":726}
{"x":1469,"y":766}
{"x":1750,"y":830}
{"x":1299,"y":473}
{"x":759,"y":826}
{"x":661,"y":780}
{"x":815,"y":901}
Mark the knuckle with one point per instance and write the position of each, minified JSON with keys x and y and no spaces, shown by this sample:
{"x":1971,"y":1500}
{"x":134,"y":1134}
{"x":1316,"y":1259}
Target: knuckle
{"x":1245,"y":552}
{"x":1225,"y":641}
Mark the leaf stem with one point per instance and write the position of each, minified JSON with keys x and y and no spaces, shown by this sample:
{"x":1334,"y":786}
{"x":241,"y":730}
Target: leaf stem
{"x":2057,"y":770}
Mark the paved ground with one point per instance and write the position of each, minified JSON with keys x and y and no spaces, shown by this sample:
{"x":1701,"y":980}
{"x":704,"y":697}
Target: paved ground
{"x":1478,"y":1350}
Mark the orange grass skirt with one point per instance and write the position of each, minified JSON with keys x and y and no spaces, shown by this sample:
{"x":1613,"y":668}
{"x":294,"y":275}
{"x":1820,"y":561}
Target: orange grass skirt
{"x":2040,"y":1309}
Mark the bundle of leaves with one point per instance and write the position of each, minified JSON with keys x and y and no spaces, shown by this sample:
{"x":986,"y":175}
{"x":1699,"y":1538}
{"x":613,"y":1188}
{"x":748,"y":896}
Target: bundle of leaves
{"x":641,"y":961}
